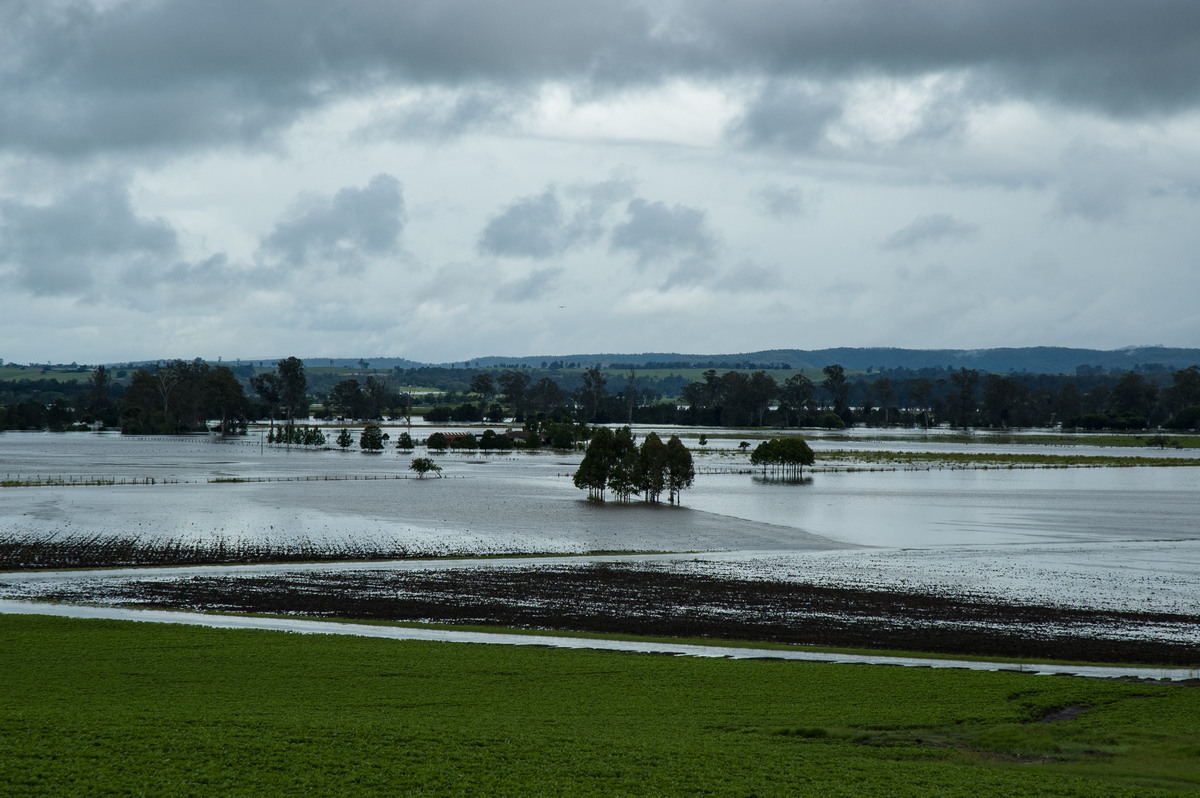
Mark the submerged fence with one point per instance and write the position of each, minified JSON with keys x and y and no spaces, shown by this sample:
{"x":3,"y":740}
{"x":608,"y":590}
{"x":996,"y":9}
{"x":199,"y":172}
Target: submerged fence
{"x":58,"y":481}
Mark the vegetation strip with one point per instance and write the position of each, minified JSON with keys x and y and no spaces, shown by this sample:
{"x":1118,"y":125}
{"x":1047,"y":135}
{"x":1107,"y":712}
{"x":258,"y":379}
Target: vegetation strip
{"x":120,"y":708}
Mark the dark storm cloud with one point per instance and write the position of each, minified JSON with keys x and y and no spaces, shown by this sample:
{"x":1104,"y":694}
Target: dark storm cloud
{"x":342,"y":229}
{"x":655,"y":231}
{"x":780,"y":201}
{"x":532,"y":227}
{"x":58,"y":248}
{"x":787,"y":117}
{"x":534,"y":285}
{"x":929,"y":229}
{"x":750,"y":277}
{"x":545,"y":225}
{"x":78,"y":78}
{"x":439,"y":117}
{"x":1107,"y":55}
{"x":1098,"y":183}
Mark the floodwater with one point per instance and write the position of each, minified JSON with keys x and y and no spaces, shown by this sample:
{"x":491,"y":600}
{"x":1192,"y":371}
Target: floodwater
{"x":300,"y":626}
{"x":1116,"y":538}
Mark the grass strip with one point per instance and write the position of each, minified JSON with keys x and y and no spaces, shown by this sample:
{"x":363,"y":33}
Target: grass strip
{"x":110,"y":707}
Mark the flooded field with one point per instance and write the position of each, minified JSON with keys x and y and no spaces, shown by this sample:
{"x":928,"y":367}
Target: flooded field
{"x":1122,"y":542}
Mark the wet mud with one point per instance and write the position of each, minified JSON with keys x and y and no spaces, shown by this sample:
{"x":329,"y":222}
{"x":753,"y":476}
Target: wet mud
{"x":616,"y":598}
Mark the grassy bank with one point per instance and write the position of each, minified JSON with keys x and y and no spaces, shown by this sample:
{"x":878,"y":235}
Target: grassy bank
{"x":103,"y":706}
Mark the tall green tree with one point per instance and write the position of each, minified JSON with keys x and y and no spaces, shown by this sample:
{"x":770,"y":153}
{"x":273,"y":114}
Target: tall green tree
{"x":838,"y":388}
{"x":652,"y":467}
{"x":515,"y":386}
{"x":592,"y":394}
{"x":293,"y":387}
{"x":226,"y":397}
{"x":962,"y":401}
{"x":681,"y":473}
{"x":346,"y":399}
{"x":623,"y":477}
{"x":371,"y":439}
{"x":269,"y":388}
{"x":484,"y":387}
{"x":593,"y":472}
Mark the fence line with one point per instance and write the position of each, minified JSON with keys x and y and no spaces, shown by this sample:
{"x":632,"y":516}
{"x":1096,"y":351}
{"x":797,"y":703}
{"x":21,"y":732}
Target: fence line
{"x":65,"y":481}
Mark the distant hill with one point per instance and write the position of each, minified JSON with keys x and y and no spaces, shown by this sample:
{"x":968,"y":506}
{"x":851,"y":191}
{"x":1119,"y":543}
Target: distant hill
{"x":1033,"y":359}
{"x":1037,"y":359}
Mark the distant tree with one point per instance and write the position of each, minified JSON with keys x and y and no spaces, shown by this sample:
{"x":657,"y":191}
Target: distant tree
{"x":838,"y":388}
{"x":371,"y":439}
{"x":226,"y":397}
{"x":99,"y":386}
{"x":963,"y":399}
{"x":484,"y":387}
{"x":404,"y":442}
{"x":1135,"y":396}
{"x":592,"y":394}
{"x":378,"y":397}
{"x":346,"y":399}
{"x":293,"y":387}
{"x":762,"y":391}
{"x":423,"y":466}
{"x":796,"y":397}
{"x":515,"y":386}
{"x":1185,"y":388}
{"x":630,"y":395}
{"x":919,"y":390}
{"x":269,"y":388}
{"x":437,"y":442}
{"x":546,"y":396}
{"x":885,"y":392}
{"x":344,"y":439}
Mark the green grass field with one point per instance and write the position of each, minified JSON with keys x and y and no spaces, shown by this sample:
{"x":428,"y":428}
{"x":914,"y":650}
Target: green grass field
{"x":107,"y":707}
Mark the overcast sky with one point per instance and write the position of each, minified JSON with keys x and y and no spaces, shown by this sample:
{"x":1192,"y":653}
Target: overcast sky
{"x":457,"y":178}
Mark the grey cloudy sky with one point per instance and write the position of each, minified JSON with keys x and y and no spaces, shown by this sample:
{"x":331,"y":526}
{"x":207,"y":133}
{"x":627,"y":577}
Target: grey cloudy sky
{"x":446,"y":179}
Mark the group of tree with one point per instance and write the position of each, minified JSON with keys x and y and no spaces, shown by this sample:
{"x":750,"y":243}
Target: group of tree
{"x":372,"y":400}
{"x":297,"y":435}
{"x":613,"y":461}
{"x":783,"y":457}
{"x":182,"y":396}
{"x":284,"y":388}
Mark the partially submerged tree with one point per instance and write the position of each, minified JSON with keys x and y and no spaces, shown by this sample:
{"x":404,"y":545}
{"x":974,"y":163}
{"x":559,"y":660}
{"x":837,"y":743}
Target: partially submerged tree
{"x":680,"y":471}
{"x":613,"y":462}
{"x":593,"y":472}
{"x":785,"y":457}
{"x":371,"y":439}
{"x":423,"y":466}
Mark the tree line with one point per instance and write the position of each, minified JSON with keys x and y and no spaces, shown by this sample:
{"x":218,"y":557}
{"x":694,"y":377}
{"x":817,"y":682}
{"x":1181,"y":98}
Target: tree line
{"x":180,"y":396}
